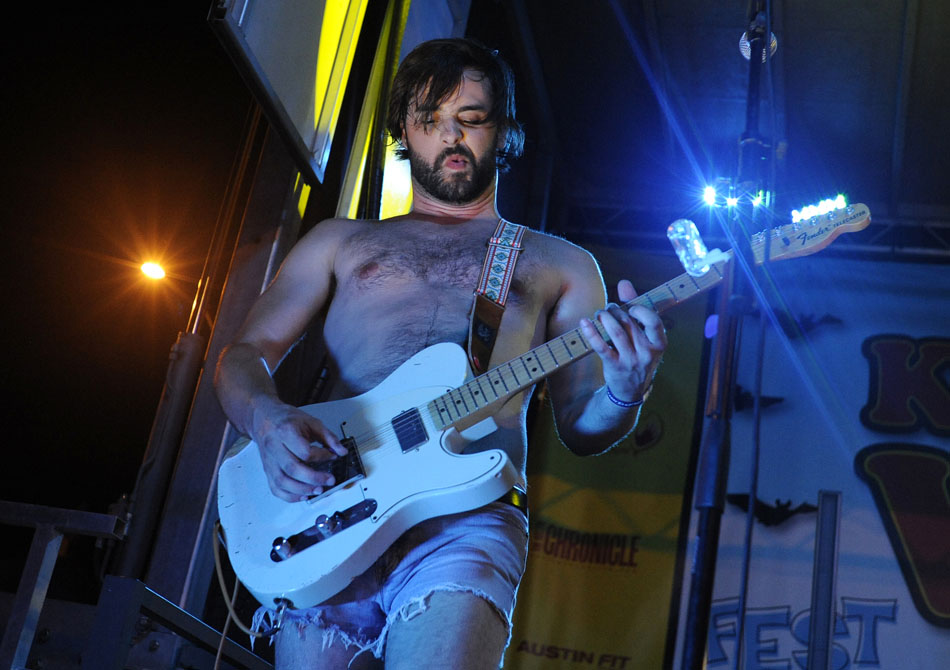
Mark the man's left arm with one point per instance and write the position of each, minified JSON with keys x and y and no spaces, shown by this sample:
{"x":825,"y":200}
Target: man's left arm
{"x":597,"y":399}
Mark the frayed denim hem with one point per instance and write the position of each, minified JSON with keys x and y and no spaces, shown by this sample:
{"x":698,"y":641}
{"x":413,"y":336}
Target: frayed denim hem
{"x":264,"y":619}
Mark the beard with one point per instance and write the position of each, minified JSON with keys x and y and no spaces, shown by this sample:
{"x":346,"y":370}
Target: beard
{"x":453,"y":187}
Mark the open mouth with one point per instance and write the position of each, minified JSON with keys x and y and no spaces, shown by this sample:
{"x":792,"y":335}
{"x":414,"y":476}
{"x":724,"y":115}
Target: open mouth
{"x":456,"y":162}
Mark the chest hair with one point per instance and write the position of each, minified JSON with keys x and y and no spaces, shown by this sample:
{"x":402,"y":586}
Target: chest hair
{"x":394,"y":254}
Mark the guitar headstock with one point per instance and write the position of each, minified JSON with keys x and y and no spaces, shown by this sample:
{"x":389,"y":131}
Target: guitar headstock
{"x":807,"y":237}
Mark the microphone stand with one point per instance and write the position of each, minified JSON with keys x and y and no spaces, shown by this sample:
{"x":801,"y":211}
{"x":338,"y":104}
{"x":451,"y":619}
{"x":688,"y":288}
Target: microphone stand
{"x":713,"y":463}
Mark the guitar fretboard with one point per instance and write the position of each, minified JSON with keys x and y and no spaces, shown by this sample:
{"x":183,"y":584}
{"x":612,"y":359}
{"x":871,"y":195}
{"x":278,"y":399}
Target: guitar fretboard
{"x":503,"y":381}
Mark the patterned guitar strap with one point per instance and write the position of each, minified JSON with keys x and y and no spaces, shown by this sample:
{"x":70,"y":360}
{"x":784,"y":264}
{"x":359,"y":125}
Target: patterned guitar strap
{"x":491,"y":293}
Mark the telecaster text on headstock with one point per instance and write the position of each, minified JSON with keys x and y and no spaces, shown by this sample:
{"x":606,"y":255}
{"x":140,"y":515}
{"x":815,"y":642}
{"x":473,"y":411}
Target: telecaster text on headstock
{"x":807,"y":235}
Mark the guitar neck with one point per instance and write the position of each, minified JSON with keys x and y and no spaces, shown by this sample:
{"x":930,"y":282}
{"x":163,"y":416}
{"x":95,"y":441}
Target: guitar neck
{"x":501,"y":382}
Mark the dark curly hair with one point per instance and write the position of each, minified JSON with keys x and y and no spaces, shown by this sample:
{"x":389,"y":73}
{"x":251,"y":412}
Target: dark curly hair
{"x":435,"y":68}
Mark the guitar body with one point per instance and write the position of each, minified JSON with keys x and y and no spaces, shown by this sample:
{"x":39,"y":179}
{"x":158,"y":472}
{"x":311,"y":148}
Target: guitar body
{"x":401,"y":487}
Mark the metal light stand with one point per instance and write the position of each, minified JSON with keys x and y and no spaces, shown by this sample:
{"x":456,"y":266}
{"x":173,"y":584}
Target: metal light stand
{"x":713,"y":463}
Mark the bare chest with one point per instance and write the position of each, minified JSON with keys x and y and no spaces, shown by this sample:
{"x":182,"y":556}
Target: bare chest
{"x":396,"y":257}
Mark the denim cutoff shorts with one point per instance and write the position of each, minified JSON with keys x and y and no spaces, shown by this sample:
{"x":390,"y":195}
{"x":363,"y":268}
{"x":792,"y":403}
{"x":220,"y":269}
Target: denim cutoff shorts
{"x":482,"y":552}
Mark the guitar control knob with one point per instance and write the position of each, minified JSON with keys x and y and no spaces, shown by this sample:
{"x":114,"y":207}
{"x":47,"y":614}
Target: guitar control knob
{"x":328,"y":525}
{"x":281,"y":550}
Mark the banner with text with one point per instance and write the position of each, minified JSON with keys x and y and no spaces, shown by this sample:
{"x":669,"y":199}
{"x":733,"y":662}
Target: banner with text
{"x":856,"y":400}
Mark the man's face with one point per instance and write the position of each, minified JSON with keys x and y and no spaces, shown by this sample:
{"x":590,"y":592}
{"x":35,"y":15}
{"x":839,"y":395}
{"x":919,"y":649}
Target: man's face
{"x":452,"y":148}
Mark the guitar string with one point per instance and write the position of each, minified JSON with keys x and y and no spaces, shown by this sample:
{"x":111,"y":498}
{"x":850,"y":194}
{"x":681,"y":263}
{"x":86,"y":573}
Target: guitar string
{"x":379,"y":439}
{"x":474,"y":389}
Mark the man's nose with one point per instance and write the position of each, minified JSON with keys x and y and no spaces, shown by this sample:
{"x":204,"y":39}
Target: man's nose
{"x":450,"y":130}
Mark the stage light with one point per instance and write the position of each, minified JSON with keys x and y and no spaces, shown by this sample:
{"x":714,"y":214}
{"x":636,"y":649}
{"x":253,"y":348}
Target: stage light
{"x":153,"y":270}
{"x":757,"y":199}
{"x":824,"y":207}
{"x":709,"y":195}
{"x":732,"y":201}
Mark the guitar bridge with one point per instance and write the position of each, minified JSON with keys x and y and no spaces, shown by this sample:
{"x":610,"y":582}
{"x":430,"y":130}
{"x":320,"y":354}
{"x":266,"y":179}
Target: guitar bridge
{"x":325,"y":526}
{"x":343,"y":468}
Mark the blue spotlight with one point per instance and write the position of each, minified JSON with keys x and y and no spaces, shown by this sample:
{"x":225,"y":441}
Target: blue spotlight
{"x":709,"y":195}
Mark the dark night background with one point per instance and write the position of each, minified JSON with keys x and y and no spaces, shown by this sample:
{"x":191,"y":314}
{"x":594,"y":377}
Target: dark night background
{"x":119,"y":127}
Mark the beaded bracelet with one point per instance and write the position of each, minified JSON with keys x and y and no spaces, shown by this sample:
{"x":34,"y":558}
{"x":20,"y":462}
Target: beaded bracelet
{"x":627,"y":404}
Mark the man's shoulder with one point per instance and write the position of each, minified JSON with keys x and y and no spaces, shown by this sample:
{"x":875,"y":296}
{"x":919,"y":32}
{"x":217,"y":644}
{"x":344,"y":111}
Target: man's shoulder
{"x":330,"y":234}
{"x":338,"y":227}
{"x":559,"y":251}
{"x":320,"y":247}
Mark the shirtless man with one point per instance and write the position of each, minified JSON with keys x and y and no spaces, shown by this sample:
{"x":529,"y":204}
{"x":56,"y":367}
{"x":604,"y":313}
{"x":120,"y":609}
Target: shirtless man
{"x":442,"y":596}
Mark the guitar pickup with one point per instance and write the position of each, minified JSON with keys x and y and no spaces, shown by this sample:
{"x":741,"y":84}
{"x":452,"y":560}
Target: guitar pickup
{"x":324,"y":527}
{"x":410,"y":431}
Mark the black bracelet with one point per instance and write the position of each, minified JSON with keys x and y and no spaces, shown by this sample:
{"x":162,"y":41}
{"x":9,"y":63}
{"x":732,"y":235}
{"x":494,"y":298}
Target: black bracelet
{"x":623,"y":403}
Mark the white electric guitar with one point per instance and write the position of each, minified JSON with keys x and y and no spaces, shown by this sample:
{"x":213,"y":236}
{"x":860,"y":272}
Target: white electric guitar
{"x":404,"y":438}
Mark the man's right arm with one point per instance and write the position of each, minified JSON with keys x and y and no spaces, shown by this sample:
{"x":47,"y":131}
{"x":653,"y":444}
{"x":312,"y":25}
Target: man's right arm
{"x":287,"y":437}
